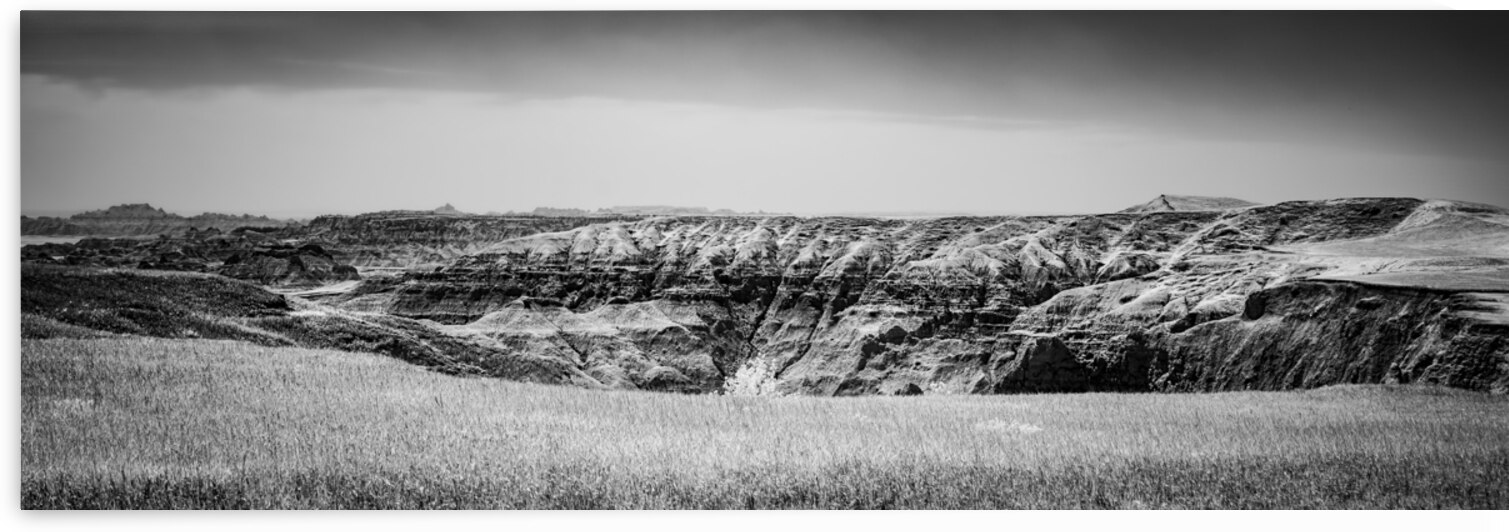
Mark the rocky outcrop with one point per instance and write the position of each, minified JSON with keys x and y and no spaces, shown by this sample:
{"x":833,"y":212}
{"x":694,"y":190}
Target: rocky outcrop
{"x":306,"y":265}
{"x":837,"y":306}
{"x":681,"y":346}
{"x":1167,"y":203}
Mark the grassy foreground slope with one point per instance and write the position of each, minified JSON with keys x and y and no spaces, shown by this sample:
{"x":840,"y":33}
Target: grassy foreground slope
{"x":156,"y":423}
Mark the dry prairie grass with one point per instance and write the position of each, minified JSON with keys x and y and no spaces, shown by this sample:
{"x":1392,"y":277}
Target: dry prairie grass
{"x":154,"y":423}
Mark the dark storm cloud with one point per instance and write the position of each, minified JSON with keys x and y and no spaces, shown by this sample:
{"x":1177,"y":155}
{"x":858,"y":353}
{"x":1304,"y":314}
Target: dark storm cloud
{"x":1427,"y":82}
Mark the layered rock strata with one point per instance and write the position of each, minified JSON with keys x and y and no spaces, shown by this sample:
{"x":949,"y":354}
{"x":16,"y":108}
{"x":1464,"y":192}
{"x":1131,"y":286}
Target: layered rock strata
{"x":1297,"y":294}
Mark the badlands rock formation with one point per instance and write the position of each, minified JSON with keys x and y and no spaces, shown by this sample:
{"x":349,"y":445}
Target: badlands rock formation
{"x":1293,"y":295}
{"x":1179,"y":294}
{"x":422,"y":239}
{"x":242,"y":254}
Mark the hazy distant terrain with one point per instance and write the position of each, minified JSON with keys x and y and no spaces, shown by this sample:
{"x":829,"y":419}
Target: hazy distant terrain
{"x":138,"y":219}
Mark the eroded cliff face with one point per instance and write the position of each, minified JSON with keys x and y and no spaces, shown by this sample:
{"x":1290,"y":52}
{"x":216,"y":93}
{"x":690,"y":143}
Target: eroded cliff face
{"x":1311,"y":333}
{"x":1297,"y":294}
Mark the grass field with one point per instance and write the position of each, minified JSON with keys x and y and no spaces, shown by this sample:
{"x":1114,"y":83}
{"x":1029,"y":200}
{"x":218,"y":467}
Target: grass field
{"x":152,"y":423}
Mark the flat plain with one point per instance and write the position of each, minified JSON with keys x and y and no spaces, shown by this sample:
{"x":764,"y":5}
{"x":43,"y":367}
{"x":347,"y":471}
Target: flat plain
{"x":129,"y":422}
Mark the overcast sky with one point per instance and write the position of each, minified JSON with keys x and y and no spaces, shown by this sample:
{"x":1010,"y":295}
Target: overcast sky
{"x":294,"y":114}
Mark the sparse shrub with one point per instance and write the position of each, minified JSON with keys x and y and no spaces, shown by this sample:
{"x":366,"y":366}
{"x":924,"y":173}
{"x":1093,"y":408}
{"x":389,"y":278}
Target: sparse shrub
{"x":757,"y":377}
{"x":948,"y":387}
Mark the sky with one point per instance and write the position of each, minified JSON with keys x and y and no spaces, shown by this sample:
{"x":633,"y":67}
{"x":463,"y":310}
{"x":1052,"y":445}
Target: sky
{"x":297,"y":114}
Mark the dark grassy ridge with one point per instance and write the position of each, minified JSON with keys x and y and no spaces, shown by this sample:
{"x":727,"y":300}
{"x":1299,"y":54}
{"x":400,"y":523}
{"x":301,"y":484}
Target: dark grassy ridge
{"x":1344,"y":482}
{"x":168,"y":305}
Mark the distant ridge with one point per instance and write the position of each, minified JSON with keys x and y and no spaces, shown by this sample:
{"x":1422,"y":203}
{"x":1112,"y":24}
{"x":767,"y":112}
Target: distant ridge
{"x":126,"y":211}
{"x":139,"y":219}
{"x":1167,"y":203}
